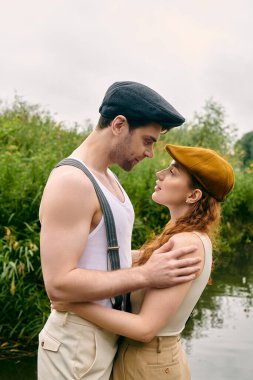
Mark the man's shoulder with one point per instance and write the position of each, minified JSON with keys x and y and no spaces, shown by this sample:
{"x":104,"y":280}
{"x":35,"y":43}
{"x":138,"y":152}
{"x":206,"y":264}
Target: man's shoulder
{"x":65,"y":177}
{"x":68,"y":187}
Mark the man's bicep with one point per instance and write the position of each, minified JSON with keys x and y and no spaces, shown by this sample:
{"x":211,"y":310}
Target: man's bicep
{"x":62,"y":247}
{"x":66,"y":220}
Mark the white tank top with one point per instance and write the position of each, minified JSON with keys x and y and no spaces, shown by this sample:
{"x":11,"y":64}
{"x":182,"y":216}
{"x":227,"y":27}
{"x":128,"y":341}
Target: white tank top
{"x":177,"y":323}
{"x":94,"y":255}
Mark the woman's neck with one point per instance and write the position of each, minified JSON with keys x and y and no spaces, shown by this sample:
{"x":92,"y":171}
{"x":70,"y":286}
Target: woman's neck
{"x":178,"y":212}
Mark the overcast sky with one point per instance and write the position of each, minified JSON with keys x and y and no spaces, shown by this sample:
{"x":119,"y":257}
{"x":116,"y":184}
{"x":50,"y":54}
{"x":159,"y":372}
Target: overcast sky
{"x":63,"y":54}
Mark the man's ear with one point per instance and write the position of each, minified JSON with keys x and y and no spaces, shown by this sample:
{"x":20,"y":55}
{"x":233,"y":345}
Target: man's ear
{"x":119,"y":124}
{"x":194,"y":196}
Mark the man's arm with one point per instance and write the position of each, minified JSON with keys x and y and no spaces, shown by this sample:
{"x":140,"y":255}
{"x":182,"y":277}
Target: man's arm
{"x":68,"y":208}
{"x":159,"y":305}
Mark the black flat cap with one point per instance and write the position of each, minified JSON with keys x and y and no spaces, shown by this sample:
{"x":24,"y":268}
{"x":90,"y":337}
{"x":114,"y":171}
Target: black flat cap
{"x":138,"y":102}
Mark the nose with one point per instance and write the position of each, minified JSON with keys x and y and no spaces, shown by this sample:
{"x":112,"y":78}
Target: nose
{"x":160,"y":175}
{"x":149,"y":153}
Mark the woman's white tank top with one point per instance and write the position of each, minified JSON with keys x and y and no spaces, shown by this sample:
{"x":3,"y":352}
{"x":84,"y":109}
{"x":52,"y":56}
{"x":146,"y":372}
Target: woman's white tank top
{"x":94,"y":255}
{"x":177,"y":323}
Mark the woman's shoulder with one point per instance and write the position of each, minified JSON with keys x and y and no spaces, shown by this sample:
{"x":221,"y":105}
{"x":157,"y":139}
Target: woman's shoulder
{"x":188,"y":238}
{"x":184,"y":239}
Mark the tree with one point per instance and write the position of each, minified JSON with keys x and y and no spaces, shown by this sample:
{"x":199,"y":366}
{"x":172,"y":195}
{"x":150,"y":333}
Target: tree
{"x":207,"y":129}
{"x":244,"y":149}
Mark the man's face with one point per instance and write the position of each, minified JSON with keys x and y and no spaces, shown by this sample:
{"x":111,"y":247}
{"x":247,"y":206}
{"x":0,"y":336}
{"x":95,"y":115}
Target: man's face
{"x":134,"y":146}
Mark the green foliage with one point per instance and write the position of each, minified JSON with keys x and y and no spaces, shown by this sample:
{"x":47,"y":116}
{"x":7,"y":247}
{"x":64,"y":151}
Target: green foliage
{"x":207,"y":129}
{"x":32,"y":143}
{"x":237,"y":223}
{"x":24,"y":305}
{"x":244,"y":149}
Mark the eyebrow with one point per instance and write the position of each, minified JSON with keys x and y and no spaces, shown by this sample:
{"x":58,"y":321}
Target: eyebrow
{"x":175,"y":165}
{"x":179,"y":167}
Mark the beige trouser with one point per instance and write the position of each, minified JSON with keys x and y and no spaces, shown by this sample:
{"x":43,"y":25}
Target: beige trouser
{"x":162,"y":358}
{"x":71,"y":348}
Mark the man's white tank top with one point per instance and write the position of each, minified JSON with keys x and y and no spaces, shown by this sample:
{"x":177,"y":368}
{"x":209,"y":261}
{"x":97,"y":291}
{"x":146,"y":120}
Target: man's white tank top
{"x":177,"y":323}
{"x":94,"y":255}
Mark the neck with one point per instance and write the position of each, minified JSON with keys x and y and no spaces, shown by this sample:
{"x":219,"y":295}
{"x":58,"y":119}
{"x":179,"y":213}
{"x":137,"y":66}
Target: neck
{"x":95,"y":150}
{"x":178,"y":212}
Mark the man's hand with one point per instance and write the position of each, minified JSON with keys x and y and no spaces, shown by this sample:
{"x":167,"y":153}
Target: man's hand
{"x":166,"y":267}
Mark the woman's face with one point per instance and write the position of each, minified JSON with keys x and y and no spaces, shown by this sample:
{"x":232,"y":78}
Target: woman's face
{"x":172,"y":186}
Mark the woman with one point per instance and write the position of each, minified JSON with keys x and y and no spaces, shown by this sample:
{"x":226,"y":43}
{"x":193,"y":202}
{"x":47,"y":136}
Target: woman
{"x":191,"y":188}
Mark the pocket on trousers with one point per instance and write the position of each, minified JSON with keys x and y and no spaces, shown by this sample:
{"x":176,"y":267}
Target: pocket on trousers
{"x":48,"y":343}
{"x":171,"y":372}
{"x":86,"y":353}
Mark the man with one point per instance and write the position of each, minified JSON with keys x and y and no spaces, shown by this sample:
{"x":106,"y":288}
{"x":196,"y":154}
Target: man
{"x":73,"y":236}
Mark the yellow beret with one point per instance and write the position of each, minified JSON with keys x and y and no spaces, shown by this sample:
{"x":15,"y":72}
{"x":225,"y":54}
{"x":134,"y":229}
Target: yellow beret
{"x":212,"y":171}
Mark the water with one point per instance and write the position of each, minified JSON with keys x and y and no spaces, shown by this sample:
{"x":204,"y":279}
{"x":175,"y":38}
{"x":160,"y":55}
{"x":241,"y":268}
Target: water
{"x":218,"y":339}
{"x":19,"y":369}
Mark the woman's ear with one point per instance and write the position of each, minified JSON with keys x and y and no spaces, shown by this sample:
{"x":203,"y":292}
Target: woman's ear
{"x":194,"y":196}
{"x":118,"y":124}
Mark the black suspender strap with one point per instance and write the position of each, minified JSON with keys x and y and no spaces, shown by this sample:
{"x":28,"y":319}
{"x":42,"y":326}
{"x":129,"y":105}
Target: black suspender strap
{"x":113,"y":261}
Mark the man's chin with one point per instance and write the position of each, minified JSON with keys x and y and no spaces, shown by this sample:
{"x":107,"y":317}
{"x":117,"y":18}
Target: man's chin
{"x":128,"y":166}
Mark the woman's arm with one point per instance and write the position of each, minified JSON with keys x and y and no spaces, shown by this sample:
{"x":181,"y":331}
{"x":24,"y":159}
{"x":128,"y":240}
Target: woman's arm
{"x":158,"y":307}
